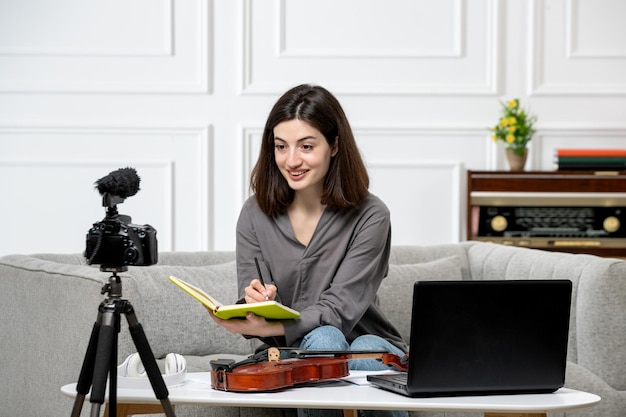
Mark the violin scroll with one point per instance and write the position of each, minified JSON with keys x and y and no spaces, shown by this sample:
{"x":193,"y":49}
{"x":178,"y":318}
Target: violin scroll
{"x":399,"y":363}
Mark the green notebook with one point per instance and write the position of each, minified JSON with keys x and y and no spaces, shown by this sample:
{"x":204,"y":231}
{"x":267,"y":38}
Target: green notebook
{"x":268,"y":309}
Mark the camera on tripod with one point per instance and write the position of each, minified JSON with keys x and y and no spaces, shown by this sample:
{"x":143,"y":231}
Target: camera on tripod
{"x":115,"y":242}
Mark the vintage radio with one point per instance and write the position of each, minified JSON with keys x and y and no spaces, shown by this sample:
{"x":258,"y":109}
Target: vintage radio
{"x":583,"y":213}
{"x":553,"y":226}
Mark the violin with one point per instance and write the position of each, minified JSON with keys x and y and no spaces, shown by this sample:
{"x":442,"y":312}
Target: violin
{"x":265,"y":371}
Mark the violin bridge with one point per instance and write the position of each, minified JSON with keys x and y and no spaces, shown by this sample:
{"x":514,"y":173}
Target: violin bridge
{"x":273,"y":354}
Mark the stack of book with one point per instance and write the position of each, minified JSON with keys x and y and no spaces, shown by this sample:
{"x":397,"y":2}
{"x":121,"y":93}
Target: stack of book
{"x":590,"y":159}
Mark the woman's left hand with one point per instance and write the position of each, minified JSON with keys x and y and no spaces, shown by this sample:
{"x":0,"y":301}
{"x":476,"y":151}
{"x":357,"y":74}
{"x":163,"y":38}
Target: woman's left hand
{"x":252,"y":325}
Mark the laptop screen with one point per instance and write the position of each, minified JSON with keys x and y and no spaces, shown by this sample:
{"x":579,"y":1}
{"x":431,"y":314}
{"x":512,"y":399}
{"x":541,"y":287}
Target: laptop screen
{"x":489,"y":336}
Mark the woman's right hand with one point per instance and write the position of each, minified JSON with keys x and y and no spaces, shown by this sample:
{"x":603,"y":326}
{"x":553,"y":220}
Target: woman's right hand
{"x":256,"y":292}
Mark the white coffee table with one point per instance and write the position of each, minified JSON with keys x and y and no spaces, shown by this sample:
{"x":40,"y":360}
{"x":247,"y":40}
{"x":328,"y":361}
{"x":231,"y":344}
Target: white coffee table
{"x":351,"y":393}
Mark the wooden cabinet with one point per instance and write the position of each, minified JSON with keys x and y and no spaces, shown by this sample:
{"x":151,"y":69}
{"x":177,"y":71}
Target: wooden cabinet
{"x":569,"y":211}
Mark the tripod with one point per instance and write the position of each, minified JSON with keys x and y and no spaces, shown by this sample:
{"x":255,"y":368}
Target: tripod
{"x":101,"y":356}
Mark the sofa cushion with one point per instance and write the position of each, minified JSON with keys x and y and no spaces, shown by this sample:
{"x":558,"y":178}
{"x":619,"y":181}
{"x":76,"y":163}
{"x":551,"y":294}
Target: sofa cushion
{"x":396,"y":291}
{"x":175,"y":322}
{"x":195,"y":258}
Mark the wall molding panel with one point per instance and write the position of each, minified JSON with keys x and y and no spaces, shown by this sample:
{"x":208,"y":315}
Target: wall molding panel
{"x":467,"y":65}
{"x":170,"y":55}
{"x":61,"y":180}
{"x":251,"y":148}
{"x":454,"y":12}
{"x":584,"y":40}
{"x":42,"y":36}
{"x":173,"y":164}
{"x":572,"y":57}
{"x":413,"y":221}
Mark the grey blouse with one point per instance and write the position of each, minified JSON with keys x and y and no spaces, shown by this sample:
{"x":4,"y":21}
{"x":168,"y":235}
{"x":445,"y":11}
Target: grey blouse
{"x":333,"y":280}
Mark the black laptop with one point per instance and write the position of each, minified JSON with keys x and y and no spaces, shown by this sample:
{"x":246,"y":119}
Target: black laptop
{"x":485,"y":337}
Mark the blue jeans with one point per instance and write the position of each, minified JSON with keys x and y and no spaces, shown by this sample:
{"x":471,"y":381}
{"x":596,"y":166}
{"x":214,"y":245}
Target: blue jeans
{"x":331,"y":338}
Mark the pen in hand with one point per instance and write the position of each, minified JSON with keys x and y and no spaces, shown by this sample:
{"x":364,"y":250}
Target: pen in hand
{"x":258,"y":269}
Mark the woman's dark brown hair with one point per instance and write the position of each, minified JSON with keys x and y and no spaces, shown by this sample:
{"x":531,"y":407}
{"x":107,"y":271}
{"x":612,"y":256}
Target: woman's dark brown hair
{"x":347,"y":182}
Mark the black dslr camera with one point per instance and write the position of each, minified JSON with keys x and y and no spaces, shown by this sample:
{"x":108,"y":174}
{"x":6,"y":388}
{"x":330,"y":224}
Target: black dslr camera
{"x":116,"y":242}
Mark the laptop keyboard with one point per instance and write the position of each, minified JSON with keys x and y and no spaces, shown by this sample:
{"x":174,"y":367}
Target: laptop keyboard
{"x":399,"y":378}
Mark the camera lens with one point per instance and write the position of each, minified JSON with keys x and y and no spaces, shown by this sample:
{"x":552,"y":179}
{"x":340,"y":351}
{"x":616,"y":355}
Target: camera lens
{"x":130,"y":255}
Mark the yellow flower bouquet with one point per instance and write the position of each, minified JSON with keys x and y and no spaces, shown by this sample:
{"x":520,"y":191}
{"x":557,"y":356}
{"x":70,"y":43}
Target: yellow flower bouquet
{"x":515,"y":127}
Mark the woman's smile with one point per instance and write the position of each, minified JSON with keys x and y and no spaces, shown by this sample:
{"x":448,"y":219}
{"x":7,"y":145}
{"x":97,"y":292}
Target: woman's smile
{"x":297,"y":175}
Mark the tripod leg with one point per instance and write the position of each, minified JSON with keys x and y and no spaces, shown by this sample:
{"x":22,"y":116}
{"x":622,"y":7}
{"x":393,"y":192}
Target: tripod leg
{"x":102,"y":366}
{"x":86,"y":372}
{"x":149,"y":362}
{"x":113,"y":371}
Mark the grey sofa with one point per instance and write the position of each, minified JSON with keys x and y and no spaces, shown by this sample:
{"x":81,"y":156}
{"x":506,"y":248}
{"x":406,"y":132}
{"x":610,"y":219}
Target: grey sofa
{"x":50,"y":302}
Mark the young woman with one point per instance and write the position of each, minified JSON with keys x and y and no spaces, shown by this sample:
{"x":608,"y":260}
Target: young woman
{"x":321,"y":238}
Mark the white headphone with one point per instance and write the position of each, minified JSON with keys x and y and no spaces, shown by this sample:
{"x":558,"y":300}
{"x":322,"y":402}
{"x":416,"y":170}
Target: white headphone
{"x":132,"y":374}
{"x":174,"y":363}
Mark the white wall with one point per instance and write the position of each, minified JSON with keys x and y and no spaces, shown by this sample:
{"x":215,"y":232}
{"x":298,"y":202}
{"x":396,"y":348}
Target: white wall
{"x":180,"y":91}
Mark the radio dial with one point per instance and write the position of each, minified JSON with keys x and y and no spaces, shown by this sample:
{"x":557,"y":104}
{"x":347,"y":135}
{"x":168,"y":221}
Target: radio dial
{"x":499,"y":223}
{"x":611,"y":224}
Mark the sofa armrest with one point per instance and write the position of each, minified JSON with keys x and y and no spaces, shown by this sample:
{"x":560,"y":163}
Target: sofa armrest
{"x":49,"y":312}
{"x":601,"y":321}
{"x":613,"y":401}
{"x":598,"y":315}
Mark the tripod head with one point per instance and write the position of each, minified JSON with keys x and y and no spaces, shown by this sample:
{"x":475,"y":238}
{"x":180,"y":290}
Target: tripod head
{"x":114,"y":286}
